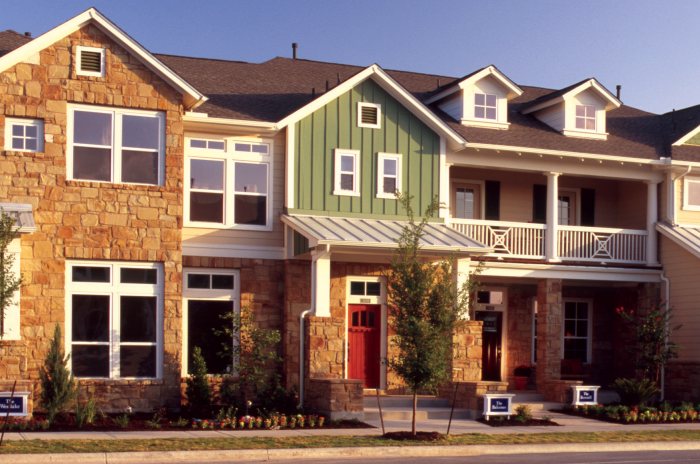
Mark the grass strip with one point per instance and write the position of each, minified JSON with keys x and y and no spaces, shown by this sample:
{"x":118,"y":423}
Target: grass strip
{"x":331,"y":441}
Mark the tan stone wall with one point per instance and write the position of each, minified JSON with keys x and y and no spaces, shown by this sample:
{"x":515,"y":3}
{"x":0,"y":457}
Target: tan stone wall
{"x":467,"y":357}
{"x":324,"y":339}
{"x":297,"y":299}
{"x":89,"y":220}
{"x":470,"y":395}
{"x":519,"y":330}
{"x":336,"y":398}
{"x":549,"y":320}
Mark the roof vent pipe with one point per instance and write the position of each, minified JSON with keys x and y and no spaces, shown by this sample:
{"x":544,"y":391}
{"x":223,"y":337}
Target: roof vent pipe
{"x":294,"y":50}
{"x":618,"y":87}
{"x":28,"y":34}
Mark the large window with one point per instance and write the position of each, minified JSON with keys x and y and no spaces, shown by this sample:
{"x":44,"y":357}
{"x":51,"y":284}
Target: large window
{"x":485,"y":106}
{"x":114,"y":319}
{"x":347,"y":173}
{"x":466,"y":200}
{"x":691,"y":193}
{"x":24,"y":134}
{"x":120,"y":146}
{"x":577,"y":330}
{"x":585,"y":117}
{"x":388,"y":175}
{"x":228,"y":188}
{"x":209,"y":295}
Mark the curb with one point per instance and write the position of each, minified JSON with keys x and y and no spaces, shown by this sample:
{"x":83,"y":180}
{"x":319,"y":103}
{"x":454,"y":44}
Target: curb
{"x":335,"y":453}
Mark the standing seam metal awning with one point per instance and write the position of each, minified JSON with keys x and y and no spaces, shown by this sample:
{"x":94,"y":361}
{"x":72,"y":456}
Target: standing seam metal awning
{"x":378,"y":233}
{"x":687,"y":237}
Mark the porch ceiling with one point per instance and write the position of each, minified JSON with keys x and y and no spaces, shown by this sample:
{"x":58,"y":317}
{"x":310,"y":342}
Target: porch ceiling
{"x":378,"y":233}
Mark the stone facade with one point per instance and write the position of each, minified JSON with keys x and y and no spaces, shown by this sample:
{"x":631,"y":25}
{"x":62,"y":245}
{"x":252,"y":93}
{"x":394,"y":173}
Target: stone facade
{"x":549,"y":320}
{"x":559,"y":391}
{"x":336,"y":398}
{"x":467,"y":357}
{"x":297,"y":299}
{"x":519,"y":330}
{"x":470,"y":395}
{"x":683,"y":381}
{"x":89,"y":220}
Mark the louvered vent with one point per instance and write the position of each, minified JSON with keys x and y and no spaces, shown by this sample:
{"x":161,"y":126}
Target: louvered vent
{"x":91,"y":61}
{"x":369,"y":115}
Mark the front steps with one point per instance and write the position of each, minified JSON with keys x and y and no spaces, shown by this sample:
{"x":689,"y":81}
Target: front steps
{"x":400,"y":408}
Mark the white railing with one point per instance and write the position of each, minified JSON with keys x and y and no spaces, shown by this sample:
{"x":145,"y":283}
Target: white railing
{"x":508,"y":239}
{"x":602,"y":245}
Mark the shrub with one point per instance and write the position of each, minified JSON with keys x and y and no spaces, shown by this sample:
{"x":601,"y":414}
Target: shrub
{"x":198,"y":391}
{"x":524,"y":411}
{"x":277,"y":398}
{"x":58,"y":387}
{"x":634,"y":392}
{"x":121,"y":421}
{"x":665,"y":407}
{"x":85,"y":414}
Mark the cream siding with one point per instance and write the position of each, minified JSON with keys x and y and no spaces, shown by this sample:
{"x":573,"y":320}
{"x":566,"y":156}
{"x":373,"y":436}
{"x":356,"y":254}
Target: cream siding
{"x":553,"y":116}
{"x":684,"y":216}
{"x":452,"y":105}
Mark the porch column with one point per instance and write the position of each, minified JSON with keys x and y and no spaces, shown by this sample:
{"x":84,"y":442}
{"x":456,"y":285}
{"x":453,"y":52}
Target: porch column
{"x":321,"y":281}
{"x":551,"y":246}
{"x":652,"y":208}
{"x":549,"y":320}
{"x":460,"y":274}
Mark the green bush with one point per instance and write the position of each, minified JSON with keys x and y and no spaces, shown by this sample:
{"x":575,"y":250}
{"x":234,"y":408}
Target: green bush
{"x":634,"y":392}
{"x":58,"y":387}
{"x":198,"y":391}
{"x":277,"y":398}
{"x":85,"y":414}
{"x":524,"y":411}
{"x":666,"y":407}
{"x":121,"y":421}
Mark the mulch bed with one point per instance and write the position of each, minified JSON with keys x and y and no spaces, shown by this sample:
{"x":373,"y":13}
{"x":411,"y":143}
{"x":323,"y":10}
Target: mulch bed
{"x":419,"y":436}
{"x":513,"y":423}
{"x":569,"y":412}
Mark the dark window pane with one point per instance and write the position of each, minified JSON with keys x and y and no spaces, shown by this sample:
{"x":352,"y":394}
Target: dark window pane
{"x":355,"y":319}
{"x":357,"y":288}
{"x":30,"y":131}
{"x":347,"y":163}
{"x":138,"y":318}
{"x":90,"y":274}
{"x":198,"y":143}
{"x":490,"y":113}
{"x":18,"y":130}
{"x":251,"y":178}
{"x":590,"y":124}
{"x":214,"y":145}
{"x":580,"y":110}
{"x":363,"y":318}
{"x":479,"y":112}
{"x":374,"y":288}
{"x":90,"y":318}
{"x":92,"y":128}
{"x":18,"y":144}
{"x":137,"y":361}
{"x":140,"y":167}
{"x":92,"y":163}
{"x":490,"y":100}
{"x":203,"y":316}
{"x":483,"y":297}
{"x":346,"y":182}
{"x":370,"y":320}
{"x":207,"y":207}
{"x":198,"y":281}
{"x":242,"y":147}
{"x":90,"y":360}
{"x":389,"y":185}
{"x":582,"y":311}
{"x":590,"y":111}
{"x":480,"y":99}
{"x":569,"y":328}
{"x":259,"y":148}
{"x":130,"y":275}
{"x":140,"y":132}
{"x":224,"y":282}
{"x":390,"y":167}
{"x":251,"y":210}
{"x":570,"y":310}
{"x":30,"y":144}
{"x":582,"y":329}
{"x":207,"y":174}
{"x":580,"y":123}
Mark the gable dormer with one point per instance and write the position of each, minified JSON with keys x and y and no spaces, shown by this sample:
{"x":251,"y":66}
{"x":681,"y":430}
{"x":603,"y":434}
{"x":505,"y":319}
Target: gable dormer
{"x":479,"y":99}
{"x":576,"y":111}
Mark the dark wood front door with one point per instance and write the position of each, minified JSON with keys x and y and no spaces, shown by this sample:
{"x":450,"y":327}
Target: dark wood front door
{"x":491,"y":348}
{"x":364,"y":343}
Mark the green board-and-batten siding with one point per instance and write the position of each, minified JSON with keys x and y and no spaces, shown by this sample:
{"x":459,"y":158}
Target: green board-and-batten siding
{"x":335,"y":126}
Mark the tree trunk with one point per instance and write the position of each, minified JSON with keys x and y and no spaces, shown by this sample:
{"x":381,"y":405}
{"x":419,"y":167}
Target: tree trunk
{"x":415,"y":403}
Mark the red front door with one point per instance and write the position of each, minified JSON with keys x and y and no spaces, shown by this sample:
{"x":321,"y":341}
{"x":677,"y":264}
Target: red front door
{"x":363,"y":343}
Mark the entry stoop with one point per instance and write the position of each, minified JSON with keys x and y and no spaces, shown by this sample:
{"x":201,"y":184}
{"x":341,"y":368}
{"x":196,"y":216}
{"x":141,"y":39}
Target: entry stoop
{"x":536,"y":401}
{"x":400,"y":407}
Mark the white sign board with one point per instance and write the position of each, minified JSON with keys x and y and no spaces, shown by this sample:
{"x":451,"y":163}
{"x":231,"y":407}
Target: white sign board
{"x":18,"y":406}
{"x":585,"y":395}
{"x":498,"y":404}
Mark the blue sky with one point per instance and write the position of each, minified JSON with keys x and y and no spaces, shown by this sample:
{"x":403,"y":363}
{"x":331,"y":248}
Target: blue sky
{"x":642,"y":45}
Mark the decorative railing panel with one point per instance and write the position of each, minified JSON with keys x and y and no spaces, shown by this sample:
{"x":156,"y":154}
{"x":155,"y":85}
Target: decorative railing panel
{"x":602,"y":245}
{"x":509,"y":239}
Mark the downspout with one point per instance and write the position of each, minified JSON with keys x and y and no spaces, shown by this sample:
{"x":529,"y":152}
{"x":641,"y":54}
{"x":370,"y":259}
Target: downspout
{"x":314,"y":258}
{"x":668,"y":305}
{"x":673,"y":197}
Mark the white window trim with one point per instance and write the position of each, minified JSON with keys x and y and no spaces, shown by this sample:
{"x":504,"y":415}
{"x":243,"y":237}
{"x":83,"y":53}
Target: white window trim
{"x":482,"y":195}
{"x":485,"y":106}
{"x":114,"y":289}
{"x":686,"y":204}
{"x":206,"y":294}
{"x":380,"y":174}
{"x":230,"y":156}
{"x":355,"y":192}
{"x":206,"y":140}
{"x":38,"y":123}
{"x":361,"y":105}
{"x":116,"y":142}
{"x":589,"y":345}
{"x":79,"y":50}
{"x":585,"y":118}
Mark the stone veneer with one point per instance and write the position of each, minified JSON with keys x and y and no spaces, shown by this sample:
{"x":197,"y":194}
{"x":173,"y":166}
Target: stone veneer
{"x":336,"y":398}
{"x":549,"y":320}
{"x":89,"y":220}
{"x":467,"y":357}
{"x":470,"y":395}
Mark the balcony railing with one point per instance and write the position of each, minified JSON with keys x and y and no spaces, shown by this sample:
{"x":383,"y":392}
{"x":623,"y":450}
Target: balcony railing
{"x":511,"y":239}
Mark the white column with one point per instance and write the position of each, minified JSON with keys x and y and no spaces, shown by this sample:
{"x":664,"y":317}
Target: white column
{"x":460,"y":274}
{"x":321,"y":281}
{"x":551,"y":245}
{"x":652,"y":208}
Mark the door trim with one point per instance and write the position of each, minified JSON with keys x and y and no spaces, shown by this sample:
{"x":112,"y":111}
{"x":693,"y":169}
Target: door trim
{"x":501,"y":308}
{"x":373,"y":300}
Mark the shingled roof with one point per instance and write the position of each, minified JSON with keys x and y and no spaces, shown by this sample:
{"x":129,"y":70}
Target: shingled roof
{"x":9,"y":40}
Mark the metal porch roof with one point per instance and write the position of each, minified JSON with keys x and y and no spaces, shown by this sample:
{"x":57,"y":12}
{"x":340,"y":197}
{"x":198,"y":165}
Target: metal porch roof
{"x":687,"y":237}
{"x":377,"y":233}
{"x":23,"y":212}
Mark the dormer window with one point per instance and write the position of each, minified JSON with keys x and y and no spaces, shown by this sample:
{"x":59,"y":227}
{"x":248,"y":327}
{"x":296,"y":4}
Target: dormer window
{"x":585,"y":117}
{"x":485,"y":106}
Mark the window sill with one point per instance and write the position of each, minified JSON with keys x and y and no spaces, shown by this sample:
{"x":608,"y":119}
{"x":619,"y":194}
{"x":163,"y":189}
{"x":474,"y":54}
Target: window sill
{"x":24,"y":152}
{"x":690,"y":208}
{"x":346,"y":193}
{"x":386,"y":196}
{"x":109,"y":185}
{"x":485,"y":123}
{"x":585,"y":134}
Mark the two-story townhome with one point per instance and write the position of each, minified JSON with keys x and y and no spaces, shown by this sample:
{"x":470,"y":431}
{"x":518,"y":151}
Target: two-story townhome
{"x":155,"y":193}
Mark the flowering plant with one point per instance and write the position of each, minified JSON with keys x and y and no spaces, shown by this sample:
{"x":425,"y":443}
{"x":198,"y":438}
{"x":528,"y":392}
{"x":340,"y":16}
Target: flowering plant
{"x":312,"y":420}
{"x":258,"y":422}
{"x":320,"y":421}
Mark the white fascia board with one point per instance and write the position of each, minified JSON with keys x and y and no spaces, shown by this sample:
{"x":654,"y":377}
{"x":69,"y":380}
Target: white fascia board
{"x":571,"y":154}
{"x":225,"y":125}
{"x":193,"y":97}
{"x":687,"y":137}
{"x":513,"y":89}
{"x":680,"y":241}
{"x":389,"y":85}
{"x":545,"y":271}
{"x":232,"y":251}
{"x":591,"y":83}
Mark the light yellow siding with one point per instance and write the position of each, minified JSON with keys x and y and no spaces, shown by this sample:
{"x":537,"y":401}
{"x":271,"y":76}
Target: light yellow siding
{"x":684,"y":216}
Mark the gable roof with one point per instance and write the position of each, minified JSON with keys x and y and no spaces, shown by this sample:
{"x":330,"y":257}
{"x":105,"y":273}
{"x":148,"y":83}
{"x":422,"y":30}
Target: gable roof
{"x":191,"y":96}
{"x":567,"y":92}
{"x":10,"y":40}
{"x":491,"y":70}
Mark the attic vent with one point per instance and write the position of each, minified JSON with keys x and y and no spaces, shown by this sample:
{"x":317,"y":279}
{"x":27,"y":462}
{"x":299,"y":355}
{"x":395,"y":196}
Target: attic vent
{"x":368,"y":115}
{"x":90,"y":61}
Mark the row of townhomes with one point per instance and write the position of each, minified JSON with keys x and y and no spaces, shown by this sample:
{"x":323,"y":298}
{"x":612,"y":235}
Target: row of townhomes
{"x":154,"y":193}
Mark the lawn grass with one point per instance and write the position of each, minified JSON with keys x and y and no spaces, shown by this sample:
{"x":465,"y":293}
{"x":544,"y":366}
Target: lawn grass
{"x":330,"y":441}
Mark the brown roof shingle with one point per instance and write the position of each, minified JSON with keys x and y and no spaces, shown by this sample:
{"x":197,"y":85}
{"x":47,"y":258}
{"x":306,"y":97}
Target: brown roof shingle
{"x":10,"y":40}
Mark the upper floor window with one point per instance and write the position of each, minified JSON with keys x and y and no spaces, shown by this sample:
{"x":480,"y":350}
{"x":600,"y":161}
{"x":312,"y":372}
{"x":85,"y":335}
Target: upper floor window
{"x":369,"y":115}
{"x":567,"y":211}
{"x":466,"y":198}
{"x":90,"y":62}
{"x":229,"y":188}
{"x":485,"y":106}
{"x":347,"y":175}
{"x":119,"y":146}
{"x":691,"y":193}
{"x":388,"y":175}
{"x":208,"y":144}
{"x":585,"y":117}
{"x":24,"y":134}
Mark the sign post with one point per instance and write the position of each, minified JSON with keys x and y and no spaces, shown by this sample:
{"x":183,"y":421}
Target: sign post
{"x":498,"y":404}
{"x":585,"y":395}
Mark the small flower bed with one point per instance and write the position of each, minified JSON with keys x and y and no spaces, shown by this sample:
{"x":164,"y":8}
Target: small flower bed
{"x":274,"y":421}
{"x":22,"y":423}
{"x":666,"y":412}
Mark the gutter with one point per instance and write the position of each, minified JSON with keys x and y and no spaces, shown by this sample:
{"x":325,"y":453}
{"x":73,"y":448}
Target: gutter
{"x":314,"y":258}
{"x":668,"y":306}
{"x":673,"y":196}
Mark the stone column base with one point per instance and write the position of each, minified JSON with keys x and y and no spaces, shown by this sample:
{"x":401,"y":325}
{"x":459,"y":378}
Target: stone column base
{"x":336,"y":398}
{"x":559,"y":391}
{"x":470,"y":395}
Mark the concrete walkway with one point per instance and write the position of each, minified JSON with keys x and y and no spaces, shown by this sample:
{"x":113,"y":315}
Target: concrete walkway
{"x":569,"y":424}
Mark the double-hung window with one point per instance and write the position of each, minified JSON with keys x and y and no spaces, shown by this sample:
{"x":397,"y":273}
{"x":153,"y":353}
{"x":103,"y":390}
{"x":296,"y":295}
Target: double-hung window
{"x":24,"y":134}
{"x":388,"y":175}
{"x":120,"y":146}
{"x":485,"y":106}
{"x":114,"y":319}
{"x":577,"y":330}
{"x":228,"y":184}
{"x":691,"y":193}
{"x":585,"y":117}
{"x":347,"y":173}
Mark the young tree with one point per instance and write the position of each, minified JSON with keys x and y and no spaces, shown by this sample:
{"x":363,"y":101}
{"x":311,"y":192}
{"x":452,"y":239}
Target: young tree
{"x":425,"y":306}
{"x":58,"y":387}
{"x":9,"y":283}
{"x":198,"y":391}
{"x":252,"y":349}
